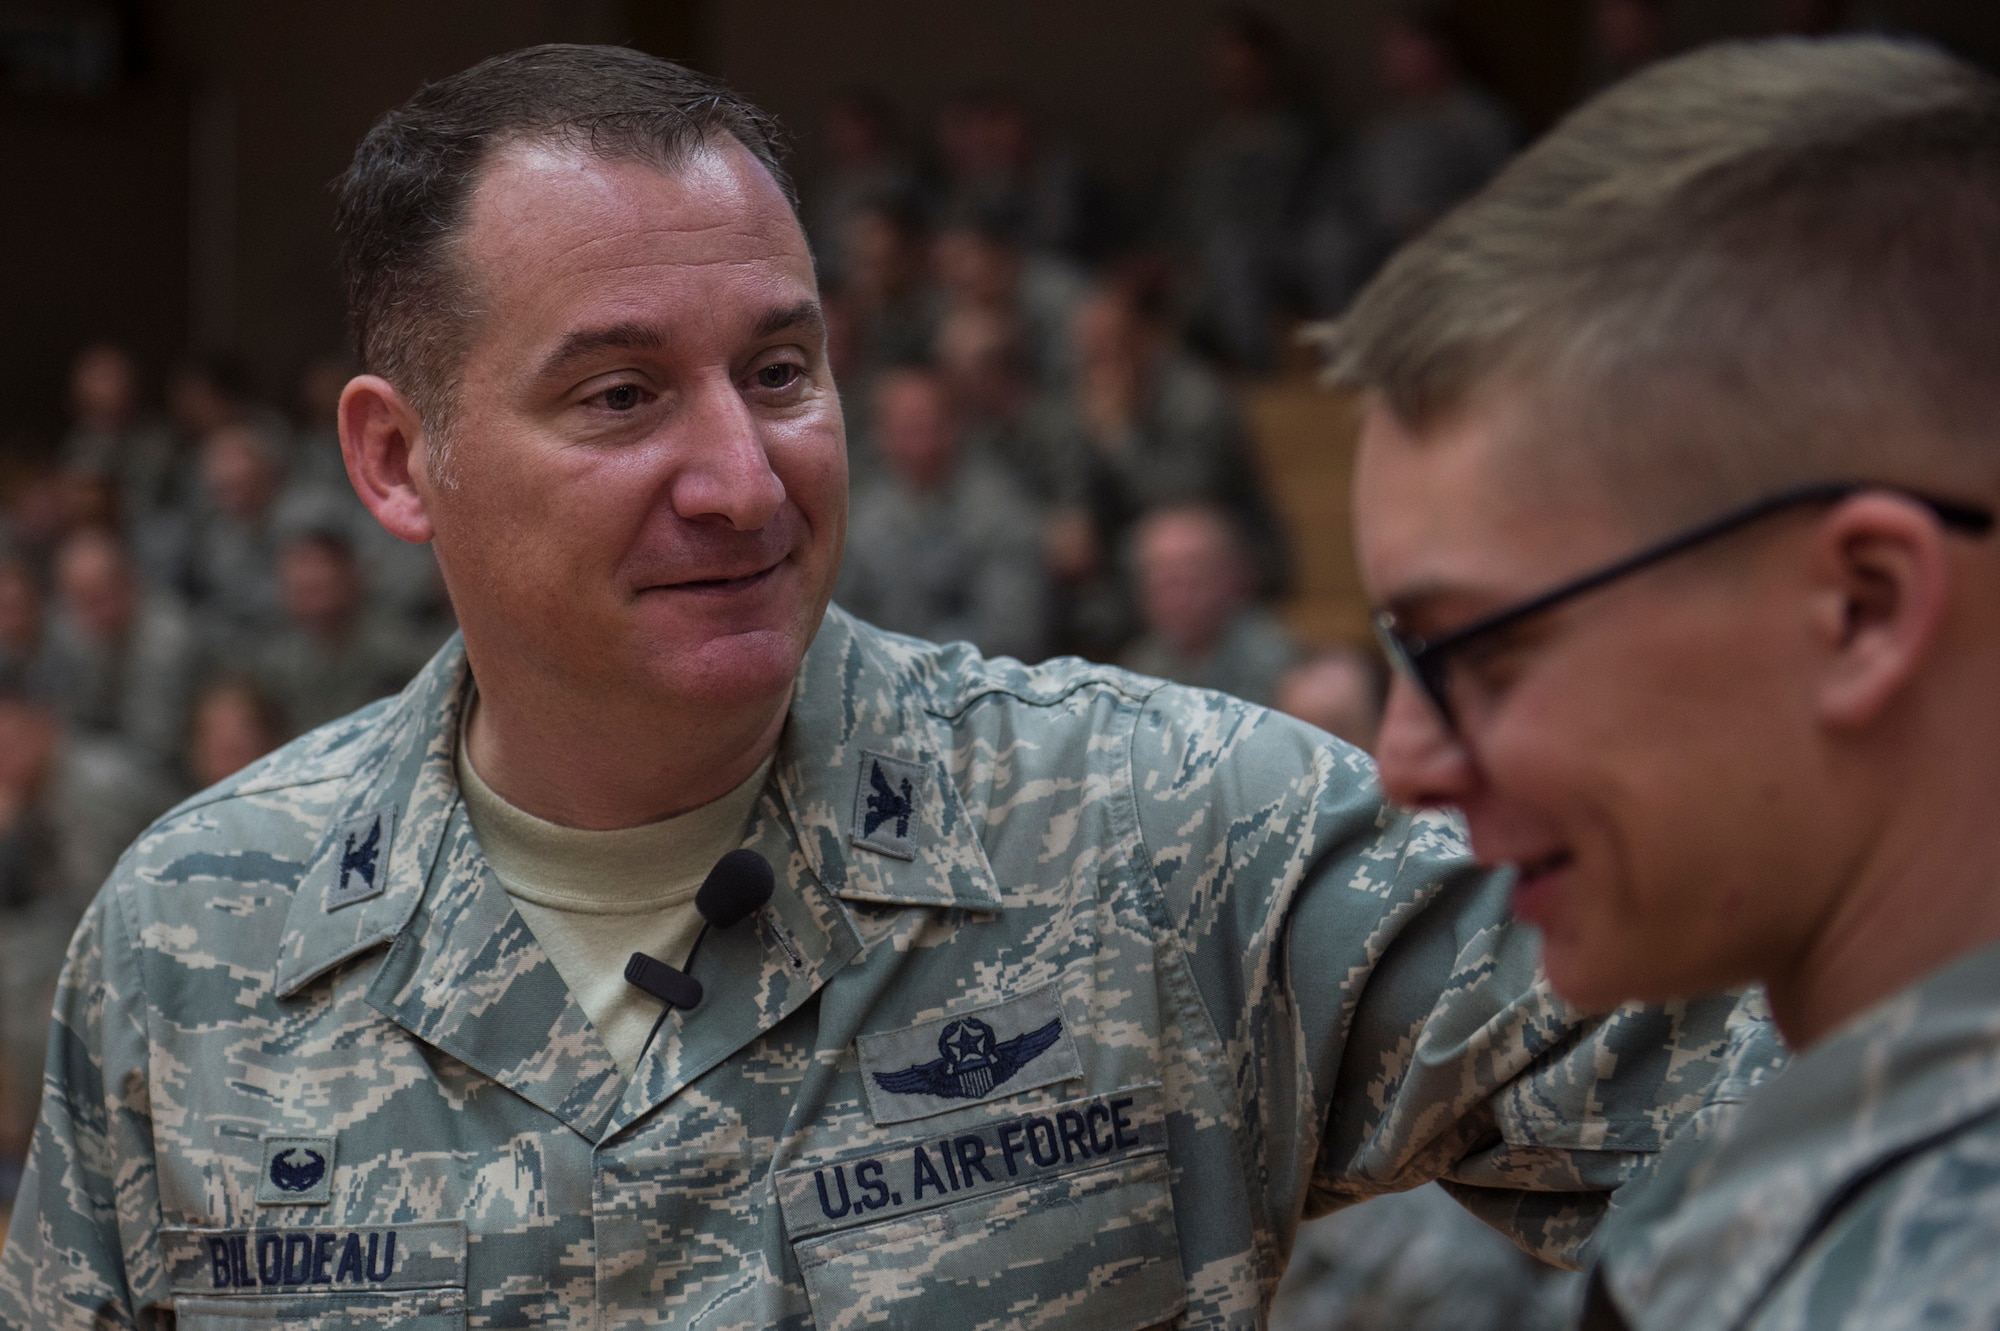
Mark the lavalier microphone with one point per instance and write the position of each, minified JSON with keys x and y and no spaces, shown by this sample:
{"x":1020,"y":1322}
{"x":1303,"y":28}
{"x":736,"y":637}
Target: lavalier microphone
{"x":736,"y":888}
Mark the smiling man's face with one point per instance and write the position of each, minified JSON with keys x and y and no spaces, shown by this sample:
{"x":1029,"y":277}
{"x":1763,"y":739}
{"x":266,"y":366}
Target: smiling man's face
{"x":647,"y":485}
{"x":1641,"y":753}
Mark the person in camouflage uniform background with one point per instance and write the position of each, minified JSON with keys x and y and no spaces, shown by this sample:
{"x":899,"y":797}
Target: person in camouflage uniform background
{"x":1678,"y":486}
{"x":1077,"y":992}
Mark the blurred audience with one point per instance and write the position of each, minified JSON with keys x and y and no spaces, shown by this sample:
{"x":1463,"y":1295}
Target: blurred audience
{"x":1145,"y":425}
{"x":863,"y":162}
{"x":981,"y":266}
{"x":70,"y":802}
{"x":886,"y":309}
{"x":113,"y":438}
{"x":24,"y":662}
{"x":1441,"y":137}
{"x":1241,"y":192}
{"x":942,"y":545}
{"x":996,"y":167}
{"x":1202,"y":625}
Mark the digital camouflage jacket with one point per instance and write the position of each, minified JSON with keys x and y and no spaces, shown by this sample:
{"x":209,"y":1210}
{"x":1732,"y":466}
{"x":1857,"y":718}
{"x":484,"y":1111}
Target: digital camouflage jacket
{"x":1859,"y":1191}
{"x":1078,"y":990}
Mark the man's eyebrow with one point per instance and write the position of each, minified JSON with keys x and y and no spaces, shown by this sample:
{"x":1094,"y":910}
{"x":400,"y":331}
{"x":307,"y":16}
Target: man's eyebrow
{"x":586,"y":342}
{"x":802,"y":314}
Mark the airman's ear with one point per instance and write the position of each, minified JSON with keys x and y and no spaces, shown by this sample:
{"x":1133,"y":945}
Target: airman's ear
{"x":382,"y":440}
{"x":1883,"y":578}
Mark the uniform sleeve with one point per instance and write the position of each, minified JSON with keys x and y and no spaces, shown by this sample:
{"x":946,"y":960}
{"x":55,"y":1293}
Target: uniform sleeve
{"x":1388,"y":1022}
{"x":83,"y":1249}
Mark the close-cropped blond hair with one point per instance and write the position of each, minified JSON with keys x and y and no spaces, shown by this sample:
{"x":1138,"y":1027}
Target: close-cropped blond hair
{"x":1757,"y":263}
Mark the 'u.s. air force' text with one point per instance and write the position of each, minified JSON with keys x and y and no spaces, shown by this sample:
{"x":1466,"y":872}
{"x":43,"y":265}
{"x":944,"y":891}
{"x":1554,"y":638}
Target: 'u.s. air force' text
{"x":918,"y":1174}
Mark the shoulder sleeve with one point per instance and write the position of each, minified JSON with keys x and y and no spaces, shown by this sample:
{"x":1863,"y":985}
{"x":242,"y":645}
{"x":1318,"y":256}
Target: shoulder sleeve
{"x":1387,"y":1020}
{"x":83,"y":1248}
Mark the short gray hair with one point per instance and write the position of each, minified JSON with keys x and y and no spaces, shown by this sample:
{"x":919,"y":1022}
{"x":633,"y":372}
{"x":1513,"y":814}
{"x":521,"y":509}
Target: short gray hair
{"x":1742,"y":263}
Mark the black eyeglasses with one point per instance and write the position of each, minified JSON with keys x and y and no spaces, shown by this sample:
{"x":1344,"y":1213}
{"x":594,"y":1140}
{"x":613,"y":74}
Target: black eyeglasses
{"x":1427,"y":662}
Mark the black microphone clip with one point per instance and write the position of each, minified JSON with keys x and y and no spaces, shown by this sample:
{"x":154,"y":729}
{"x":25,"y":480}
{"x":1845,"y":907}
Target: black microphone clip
{"x":737,"y":887}
{"x":675,"y":988}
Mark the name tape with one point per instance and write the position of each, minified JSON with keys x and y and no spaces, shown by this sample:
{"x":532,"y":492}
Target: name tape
{"x":426,"y":1255}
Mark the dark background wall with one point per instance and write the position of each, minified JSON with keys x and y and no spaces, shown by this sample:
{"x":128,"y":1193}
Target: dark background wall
{"x":184,"y":203}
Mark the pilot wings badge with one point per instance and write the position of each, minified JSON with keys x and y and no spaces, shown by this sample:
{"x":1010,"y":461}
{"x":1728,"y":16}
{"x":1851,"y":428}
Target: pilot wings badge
{"x":971,"y":1061}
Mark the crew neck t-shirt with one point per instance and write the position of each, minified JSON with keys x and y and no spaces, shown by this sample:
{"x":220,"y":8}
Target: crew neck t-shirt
{"x":593,"y":898}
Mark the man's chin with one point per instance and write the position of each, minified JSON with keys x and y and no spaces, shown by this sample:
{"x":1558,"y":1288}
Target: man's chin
{"x":728,"y":670}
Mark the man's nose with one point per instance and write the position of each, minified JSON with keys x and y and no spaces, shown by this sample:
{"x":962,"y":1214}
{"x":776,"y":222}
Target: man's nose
{"x":1422,"y":763}
{"x":727,"y":473}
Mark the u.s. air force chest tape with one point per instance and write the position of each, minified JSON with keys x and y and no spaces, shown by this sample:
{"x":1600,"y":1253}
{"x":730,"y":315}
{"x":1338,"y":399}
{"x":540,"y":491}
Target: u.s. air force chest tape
{"x":1066,"y":1207}
{"x":408,"y":1275}
{"x":997,"y":1050}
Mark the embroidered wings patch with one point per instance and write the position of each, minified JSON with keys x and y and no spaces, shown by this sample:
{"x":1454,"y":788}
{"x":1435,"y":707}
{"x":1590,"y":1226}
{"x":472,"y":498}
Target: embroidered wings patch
{"x":972,"y":1062}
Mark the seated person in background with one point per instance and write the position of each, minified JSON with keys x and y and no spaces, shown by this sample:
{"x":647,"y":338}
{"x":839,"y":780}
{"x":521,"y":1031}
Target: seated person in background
{"x":980,"y":266}
{"x":232,"y":563}
{"x":863,"y":160}
{"x":112,"y":436}
{"x":211,"y":392}
{"x":332,"y":656}
{"x":984,"y":365}
{"x":1144,"y":426}
{"x":1677,"y":486}
{"x":885,"y":298}
{"x":235,"y":723}
{"x":1338,"y":688}
{"x":1240,"y":189}
{"x":122,"y":659}
{"x":24,"y":659}
{"x":1441,"y":138}
{"x":1036,"y":195}
{"x":1203,"y":626}
{"x":942,"y":546}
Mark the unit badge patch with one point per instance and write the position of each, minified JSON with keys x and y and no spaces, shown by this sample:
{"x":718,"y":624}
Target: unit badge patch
{"x":888,"y":804}
{"x":298,"y":1171}
{"x":361,"y":846}
{"x":938,"y":1065}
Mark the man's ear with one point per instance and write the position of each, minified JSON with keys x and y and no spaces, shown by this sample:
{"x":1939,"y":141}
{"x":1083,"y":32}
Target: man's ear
{"x":382,"y":440}
{"x":1883,"y":579}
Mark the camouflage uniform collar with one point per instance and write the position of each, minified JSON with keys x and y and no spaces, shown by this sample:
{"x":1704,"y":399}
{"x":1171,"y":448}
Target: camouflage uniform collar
{"x":1715,"y":1232}
{"x":865,"y":703}
{"x":862,"y":770}
{"x":359,"y":894}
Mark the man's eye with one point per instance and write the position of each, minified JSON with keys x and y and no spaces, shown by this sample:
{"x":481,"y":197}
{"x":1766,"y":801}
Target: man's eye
{"x":625,"y":397}
{"x":782,"y":374}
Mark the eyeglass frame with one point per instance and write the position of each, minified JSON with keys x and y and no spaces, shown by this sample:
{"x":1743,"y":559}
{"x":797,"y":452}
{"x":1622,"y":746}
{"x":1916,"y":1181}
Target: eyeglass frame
{"x":1424,"y":662}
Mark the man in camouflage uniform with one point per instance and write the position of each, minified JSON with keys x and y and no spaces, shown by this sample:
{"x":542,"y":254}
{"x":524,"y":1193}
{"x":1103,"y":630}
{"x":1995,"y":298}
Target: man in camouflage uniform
{"x":1678,"y":483}
{"x":1076,"y":991}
